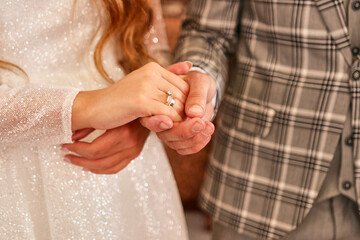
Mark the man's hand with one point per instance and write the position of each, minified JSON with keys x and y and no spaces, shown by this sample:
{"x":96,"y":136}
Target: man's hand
{"x":110,"y":152}
{"x":202,"y":91}
{"x":194,"y":133}
{"x":189,"y":136}
{"x":186,"y":137}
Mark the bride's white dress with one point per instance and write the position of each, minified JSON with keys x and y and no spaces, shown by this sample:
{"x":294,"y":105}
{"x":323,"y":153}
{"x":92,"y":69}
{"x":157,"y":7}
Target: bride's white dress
{"x":41,"y":196}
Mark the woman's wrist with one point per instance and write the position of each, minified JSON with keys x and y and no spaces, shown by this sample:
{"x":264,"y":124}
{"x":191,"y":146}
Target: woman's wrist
{"x":81,"y":111}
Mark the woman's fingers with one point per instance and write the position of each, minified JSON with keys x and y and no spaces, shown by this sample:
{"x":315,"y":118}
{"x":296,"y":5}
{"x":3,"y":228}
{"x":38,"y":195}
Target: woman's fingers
{"x":148,"y":84}
{"x":160,"y":108}
{"x":166,"y":97}
{"x":142,"y":93}
{"x":175,"y":80}
{"x":175,"y":93}
{"x":170,"y":77}
{"x":155,"y":80}
{"x":171,"y":100}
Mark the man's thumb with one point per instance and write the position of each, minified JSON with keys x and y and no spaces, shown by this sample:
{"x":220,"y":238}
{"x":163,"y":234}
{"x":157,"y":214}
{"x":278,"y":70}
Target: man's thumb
{"x":180,"y":68}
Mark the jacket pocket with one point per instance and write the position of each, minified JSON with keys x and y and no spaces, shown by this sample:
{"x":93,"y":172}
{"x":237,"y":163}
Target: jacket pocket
{"x":248,"y":117}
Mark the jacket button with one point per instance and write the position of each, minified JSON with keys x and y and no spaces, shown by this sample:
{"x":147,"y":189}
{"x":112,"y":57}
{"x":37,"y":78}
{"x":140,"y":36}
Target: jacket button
{"x":355,"y":51}
{"x":355,"y":5}
{"x":346,"y":185}
{"x":355,"y":75}
{"x":349,"y":141}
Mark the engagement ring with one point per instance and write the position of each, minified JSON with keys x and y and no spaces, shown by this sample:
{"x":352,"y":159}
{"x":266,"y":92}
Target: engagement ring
{"x":170,"y":101}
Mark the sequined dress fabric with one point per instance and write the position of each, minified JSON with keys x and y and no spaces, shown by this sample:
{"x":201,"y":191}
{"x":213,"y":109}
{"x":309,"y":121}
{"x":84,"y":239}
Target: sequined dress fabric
{"x":41,"y":196}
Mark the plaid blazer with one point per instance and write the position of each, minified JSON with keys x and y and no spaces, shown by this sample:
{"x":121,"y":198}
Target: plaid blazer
{"x":291,"y":81}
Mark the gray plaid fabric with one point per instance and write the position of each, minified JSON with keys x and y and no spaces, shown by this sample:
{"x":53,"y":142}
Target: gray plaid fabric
{"x":283,"y":110}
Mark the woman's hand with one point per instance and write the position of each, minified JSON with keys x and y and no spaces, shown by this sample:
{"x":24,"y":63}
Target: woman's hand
{"x":110,"y":152}
{"x":141,"y":93}
{"x":192,"y":134}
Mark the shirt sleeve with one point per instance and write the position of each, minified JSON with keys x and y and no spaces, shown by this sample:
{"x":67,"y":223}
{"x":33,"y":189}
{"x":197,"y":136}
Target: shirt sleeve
{"x":209,"y":38}
{"x":36,"y":115}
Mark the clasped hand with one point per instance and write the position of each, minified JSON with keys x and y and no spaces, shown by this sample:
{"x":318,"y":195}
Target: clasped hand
{"x":140,"y":97}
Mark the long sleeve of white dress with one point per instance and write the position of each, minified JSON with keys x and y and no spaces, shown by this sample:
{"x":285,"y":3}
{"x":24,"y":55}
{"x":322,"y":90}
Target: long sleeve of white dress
{"x":38,"y":114}
{"x":35,"y":114}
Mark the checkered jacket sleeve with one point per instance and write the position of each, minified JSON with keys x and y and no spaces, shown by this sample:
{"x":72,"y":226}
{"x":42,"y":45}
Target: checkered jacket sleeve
{"x":209,"y":38}
{"x":286,"y":100}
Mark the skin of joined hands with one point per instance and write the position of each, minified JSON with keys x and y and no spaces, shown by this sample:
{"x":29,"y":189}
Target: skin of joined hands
{"x":110,"y":152}
{"x":202,"y":90}
{"x":113,"y":150}
{"x":141,"y":93}
{"x":193,"y":134}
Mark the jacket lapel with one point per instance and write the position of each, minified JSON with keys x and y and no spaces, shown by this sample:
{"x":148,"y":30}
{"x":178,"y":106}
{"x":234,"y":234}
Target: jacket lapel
{"x":333,"y":15}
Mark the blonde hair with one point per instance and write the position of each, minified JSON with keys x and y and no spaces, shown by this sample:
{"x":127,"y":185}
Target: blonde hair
{"x":13,"y":68}
{"x":128,"y":21}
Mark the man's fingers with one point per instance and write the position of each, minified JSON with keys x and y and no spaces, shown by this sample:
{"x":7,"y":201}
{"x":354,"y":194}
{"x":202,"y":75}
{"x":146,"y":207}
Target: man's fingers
{"x":157,"y":123}
{"x":115,"y":169}
{"x":199,"y":138}
{"x":202,"y":90}
{"x":194,"y":144}
{"x":194,"y":149}
{"x":98,"y":164}
{"x":103,"y":146}
{"x":81,"y":133}
{"x":209,"y":112}
{"x":180,"y":68}
{"x":183,"y":130}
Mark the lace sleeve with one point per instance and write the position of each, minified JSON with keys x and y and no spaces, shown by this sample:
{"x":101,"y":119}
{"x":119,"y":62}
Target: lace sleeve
{"x":35,"y":115}
{"x":156,"y":39}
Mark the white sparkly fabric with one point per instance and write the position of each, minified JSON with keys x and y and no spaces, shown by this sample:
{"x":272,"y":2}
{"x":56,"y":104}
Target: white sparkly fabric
{"x":41,"y":196}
